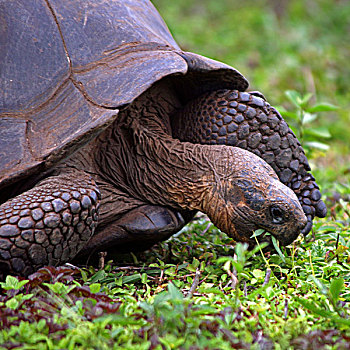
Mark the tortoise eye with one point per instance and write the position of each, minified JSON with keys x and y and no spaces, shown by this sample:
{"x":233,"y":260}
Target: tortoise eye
{"x":277,"y":215}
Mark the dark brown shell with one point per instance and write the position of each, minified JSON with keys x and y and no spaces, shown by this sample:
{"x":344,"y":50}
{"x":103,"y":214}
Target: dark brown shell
{"x":67,"y":66}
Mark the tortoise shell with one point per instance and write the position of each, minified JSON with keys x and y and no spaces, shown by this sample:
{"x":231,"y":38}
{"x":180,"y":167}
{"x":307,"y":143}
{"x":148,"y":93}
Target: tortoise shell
{"x":67,"y":67}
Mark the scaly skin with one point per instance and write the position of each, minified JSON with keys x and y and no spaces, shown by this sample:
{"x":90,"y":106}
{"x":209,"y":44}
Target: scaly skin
{"x":48,"y":224}
{"x":55,"y":220}
{"x":234,"y":187}
{"x":247,"y":121}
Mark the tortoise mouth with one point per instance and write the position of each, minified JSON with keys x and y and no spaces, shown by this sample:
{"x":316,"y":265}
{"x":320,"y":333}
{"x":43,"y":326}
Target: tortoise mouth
{"x":288,"y":233}
{"x":283,"y":239}
{"x":286,"y":240}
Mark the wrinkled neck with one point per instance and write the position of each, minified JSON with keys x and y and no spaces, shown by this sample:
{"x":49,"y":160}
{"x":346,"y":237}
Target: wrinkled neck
{"x":171,"y":172}
{"x":191,"y":176}
{"x":142,"y":160}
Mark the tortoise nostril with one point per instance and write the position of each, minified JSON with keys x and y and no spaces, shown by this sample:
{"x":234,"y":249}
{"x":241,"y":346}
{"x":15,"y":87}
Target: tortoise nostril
{"x":302,"y":222}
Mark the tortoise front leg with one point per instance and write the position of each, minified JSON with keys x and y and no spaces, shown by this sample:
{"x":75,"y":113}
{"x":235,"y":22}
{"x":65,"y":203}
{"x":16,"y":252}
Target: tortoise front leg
{"x":49,"y":224}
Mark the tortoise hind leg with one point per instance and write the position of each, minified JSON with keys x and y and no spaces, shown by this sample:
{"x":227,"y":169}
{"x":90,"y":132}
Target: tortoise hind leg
{"x":48,"y":224}
{"x":136,"y":230}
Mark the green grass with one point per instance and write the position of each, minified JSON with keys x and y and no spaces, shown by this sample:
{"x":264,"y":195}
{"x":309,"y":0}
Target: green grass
{"x":240,"y":299}
{"x":200,"y":290}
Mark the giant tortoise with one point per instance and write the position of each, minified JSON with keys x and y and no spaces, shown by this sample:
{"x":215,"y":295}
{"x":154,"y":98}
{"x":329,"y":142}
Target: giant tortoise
{"x":111,"y":137}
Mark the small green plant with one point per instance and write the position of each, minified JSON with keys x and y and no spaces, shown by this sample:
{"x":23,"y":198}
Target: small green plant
{"x":303,"y":121}
{"x":329,"y":306}
{"x":12,"y":283}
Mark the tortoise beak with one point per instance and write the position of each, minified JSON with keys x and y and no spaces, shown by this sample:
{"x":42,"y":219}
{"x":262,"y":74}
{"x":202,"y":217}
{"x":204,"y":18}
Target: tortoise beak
{"x":287,"y":237}
{"x":286,"y":240}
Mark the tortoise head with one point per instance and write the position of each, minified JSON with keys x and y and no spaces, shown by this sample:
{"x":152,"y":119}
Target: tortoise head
{"x":271,"y":206}
{"x":251,"y":197}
